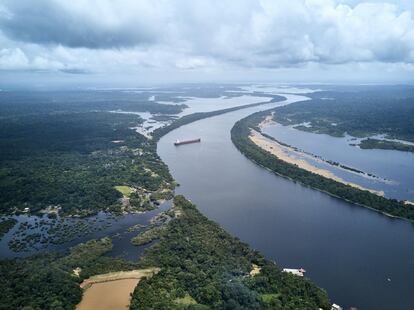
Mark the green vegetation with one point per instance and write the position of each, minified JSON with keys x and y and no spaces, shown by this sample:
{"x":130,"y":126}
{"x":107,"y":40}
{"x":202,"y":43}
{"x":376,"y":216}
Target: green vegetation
{"x":31,"y":103}
{"x":269,"y":298}
{"x":48,"y":281}
{"x":186,"y":300}
{"x":71,"y":161}
{"x":240,"y":137}
{"x":202,"y":263}
{"x":360,"y":113}
{"x":6,"y":225}
{"x":148,"y":236}
{"x":125,"y":190}
{"x":385,"y":145}
{"x":162,"y":195}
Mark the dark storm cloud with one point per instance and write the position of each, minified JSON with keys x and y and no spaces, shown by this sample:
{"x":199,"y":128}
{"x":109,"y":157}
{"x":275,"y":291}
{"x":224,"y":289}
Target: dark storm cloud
{"x":49,"y":22}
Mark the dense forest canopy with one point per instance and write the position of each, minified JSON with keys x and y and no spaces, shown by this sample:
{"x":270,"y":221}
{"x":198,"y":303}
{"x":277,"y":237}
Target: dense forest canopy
{"x":75,"y":160}
{"x":18,"y":103}
{"x":387,"y":110}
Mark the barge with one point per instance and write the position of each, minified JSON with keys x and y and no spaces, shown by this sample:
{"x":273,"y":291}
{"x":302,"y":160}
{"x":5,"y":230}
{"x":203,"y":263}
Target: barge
{"x":178,"y":142}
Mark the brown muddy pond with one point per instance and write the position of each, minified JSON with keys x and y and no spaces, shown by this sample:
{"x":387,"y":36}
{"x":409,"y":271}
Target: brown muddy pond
{"x":112,"y":295}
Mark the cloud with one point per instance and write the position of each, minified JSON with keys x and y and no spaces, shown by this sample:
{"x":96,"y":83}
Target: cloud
{"x":105,"y":35}
{"x":13,"y":59}
{"x":74,"y":71}
{"x":89,"y":24}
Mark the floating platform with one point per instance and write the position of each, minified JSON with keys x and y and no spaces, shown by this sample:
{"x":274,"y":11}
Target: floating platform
{"x":178,"y":142}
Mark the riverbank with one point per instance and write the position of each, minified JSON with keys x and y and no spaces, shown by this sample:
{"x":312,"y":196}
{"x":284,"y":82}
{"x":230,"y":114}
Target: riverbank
{"x":281,"y":152}
{"x":240,"y":136}
{"x":115,"y":276}
{"x":203,"y":263}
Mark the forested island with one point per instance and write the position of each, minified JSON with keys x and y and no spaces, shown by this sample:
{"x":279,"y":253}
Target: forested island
{"x":365,"y":113}
{"x":240,"y":136}
{"x":371,"y":143}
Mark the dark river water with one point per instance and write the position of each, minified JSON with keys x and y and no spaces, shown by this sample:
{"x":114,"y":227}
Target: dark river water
{"x":362,"y":258}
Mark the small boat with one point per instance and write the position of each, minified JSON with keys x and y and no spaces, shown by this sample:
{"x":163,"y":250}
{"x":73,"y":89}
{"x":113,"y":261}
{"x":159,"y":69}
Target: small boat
{"x":178,"y":142}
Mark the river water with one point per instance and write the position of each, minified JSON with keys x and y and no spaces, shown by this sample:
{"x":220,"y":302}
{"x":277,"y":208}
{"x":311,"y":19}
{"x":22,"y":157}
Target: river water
{"x":362,"y":258}
{"x":394,"y":169}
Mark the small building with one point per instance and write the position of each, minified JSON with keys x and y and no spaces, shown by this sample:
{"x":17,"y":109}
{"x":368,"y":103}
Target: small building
{"x":297,"y":272}
{"x":26,"y":210}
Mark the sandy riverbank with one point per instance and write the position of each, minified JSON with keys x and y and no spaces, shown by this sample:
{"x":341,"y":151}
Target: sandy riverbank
{"x":284,"y":153}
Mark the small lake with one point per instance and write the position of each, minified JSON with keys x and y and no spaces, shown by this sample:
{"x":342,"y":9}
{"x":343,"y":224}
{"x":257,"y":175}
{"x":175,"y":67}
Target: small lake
{"x":362,"y":258}
{"x":112,"y":295}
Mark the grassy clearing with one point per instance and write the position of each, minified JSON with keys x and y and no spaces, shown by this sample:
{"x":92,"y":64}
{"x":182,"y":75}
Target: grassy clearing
{"x":186,"y":300}
{"x":267,"y":298}
{"x":124,"y":190}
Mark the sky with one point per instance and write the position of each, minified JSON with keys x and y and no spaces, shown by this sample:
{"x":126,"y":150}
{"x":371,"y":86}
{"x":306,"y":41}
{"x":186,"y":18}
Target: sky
{"x":163,"y":41}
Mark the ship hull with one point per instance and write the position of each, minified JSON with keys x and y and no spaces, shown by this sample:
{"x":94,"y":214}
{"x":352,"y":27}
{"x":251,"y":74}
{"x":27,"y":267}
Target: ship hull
{"x":187,"y":142}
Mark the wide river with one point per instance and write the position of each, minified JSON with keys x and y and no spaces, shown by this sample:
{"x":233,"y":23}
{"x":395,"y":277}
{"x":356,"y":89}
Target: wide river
{"x":362,"y":258}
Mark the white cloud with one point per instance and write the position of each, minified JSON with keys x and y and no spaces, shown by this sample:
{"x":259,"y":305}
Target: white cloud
{"x":13,"y":59}
{"x":130,"y":35}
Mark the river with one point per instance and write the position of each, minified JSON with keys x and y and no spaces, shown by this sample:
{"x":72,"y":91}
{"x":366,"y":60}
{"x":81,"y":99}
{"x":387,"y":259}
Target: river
{"x":363,"y":259}
{"x":393,"y":169}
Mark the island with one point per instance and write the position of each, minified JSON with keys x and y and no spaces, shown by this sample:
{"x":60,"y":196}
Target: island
{"x":240,"y":135}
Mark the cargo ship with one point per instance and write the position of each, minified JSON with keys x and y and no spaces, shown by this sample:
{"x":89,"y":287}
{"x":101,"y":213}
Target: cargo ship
{"x":178,"y":142}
